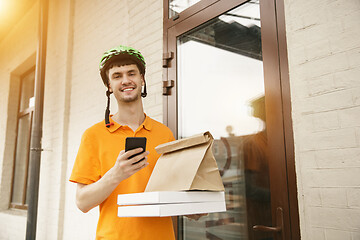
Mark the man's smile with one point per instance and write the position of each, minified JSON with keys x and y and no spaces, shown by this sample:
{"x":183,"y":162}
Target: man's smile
{"x":126,"y":89}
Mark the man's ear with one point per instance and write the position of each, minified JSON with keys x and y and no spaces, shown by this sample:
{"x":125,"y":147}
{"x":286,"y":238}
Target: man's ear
{"x":142,"y":80}
{"x":109,"y":88}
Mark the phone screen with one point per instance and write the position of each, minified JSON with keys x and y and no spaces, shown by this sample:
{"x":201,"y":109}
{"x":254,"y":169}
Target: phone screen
{"x":135,"y":142}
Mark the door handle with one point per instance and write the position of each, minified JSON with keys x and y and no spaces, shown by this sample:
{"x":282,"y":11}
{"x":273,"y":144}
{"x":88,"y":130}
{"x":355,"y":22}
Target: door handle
{"x":279,"y":228}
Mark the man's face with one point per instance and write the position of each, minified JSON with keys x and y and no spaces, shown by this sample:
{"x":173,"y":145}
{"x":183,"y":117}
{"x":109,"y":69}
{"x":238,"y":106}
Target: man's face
{"x":126,"y":82}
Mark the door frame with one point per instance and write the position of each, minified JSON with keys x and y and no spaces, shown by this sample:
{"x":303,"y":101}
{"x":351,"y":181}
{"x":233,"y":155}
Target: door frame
{"x":277,"y":91}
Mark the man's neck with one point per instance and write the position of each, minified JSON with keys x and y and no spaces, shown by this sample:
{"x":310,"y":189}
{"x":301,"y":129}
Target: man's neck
{"x":130,"y":114}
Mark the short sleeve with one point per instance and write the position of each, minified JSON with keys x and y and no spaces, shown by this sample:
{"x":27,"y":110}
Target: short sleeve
{"x":86,"y":168}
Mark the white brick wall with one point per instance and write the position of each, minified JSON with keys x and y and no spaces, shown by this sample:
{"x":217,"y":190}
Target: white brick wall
{"x":53,"y":182}
{"x":13,"y":223}
{"x":16,"y":57}
{"x":324,"y":62}
{"x":98,"y":27}
{"x":75,"y":96}
{"x":78,"y":34}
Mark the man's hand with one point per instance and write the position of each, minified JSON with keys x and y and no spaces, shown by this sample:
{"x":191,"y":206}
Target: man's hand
{"x":91,"y":195}
{"x":125,"y":166}
{"x":196,"y":216}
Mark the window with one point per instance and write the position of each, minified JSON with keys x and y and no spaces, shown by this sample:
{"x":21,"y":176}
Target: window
{"x":22,"y":146}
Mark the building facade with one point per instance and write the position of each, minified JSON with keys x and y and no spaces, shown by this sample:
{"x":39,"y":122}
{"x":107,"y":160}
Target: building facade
{"x":275,"y":82}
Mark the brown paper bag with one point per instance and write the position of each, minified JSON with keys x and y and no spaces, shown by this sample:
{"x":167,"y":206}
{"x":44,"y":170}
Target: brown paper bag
{"x":186,"y":164}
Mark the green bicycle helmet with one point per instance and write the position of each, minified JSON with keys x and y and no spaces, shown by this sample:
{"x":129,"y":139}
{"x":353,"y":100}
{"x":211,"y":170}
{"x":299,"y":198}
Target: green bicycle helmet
{"x":119,"y":54}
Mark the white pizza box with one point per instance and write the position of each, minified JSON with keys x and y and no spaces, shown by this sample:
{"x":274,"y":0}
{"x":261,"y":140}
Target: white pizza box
{"x":170,"y":197}
{"x":171,"y":209}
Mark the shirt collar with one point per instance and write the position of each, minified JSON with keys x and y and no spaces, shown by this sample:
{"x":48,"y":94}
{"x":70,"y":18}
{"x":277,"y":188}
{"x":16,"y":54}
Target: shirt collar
{"x":147,"y":124}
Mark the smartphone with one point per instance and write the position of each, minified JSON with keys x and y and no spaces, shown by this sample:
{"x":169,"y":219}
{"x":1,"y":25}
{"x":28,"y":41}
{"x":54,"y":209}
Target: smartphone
{"x":135,"y":142}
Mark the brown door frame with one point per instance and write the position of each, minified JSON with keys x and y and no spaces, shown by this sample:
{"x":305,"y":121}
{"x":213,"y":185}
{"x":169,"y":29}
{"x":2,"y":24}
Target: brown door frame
{"x":277,"y":92}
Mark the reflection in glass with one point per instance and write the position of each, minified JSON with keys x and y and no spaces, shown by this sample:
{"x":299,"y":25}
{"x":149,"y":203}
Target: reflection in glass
{"x":221,"y":90}
{"x":177,"y":6}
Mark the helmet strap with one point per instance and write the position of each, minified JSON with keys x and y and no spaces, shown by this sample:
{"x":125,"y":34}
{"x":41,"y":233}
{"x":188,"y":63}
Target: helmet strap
{"x":144,"y":93}
{"x":107,"y":111}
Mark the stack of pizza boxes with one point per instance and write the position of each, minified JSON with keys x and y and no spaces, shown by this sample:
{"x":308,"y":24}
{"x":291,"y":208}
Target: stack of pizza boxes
{"x":185,"y":181}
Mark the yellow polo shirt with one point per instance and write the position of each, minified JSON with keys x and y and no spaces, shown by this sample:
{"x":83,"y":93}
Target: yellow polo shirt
{"x":98,"y":152}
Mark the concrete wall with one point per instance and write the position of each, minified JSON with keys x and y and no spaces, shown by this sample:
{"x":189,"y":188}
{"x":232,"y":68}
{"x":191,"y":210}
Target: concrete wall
{"x":324,"y":61}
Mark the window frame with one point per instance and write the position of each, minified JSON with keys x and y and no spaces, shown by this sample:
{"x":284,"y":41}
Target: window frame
{"x":21,"y":114}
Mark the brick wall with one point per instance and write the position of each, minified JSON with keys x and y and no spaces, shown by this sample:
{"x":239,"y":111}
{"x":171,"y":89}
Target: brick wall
{"x":324,"y":62}
{"x":78,"y":34}
{"x":55,"y":122}
{"x":75,"y":99}
{"x":17,"y":55}
{"x":75,"y":95}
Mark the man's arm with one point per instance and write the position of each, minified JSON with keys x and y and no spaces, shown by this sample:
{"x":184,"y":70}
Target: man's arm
{"x":90,"y":196}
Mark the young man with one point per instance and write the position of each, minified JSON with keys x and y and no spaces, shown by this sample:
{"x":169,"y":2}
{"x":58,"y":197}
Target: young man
{"x":103,"y":169}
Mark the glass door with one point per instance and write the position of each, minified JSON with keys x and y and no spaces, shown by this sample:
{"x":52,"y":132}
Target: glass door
{"x":221,"y":90}
{"x":224,"y":70}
